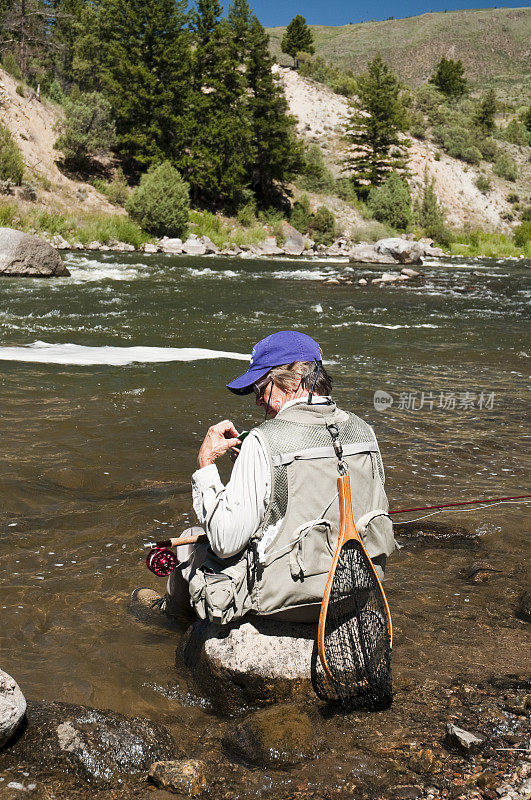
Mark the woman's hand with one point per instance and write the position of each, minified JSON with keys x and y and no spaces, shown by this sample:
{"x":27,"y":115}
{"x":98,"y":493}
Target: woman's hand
{"x":218,"y":441}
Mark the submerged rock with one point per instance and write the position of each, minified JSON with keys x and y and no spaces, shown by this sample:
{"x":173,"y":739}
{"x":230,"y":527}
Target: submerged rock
{"x":250,"y":663}
{"x":12,"y":707}
{"x":22,"y":255}
{"x":281,"y":735}
{"x":185,"y":777}
{"x":93,"y":746}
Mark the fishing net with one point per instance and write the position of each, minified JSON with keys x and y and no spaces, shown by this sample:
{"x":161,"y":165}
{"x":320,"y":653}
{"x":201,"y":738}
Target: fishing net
{"x":357,"y":643}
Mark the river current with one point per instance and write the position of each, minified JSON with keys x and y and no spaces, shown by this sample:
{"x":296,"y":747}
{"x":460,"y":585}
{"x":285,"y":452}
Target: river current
{"x":108,"y":382}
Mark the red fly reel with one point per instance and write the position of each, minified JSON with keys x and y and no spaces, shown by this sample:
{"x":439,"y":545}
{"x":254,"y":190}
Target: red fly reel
{"x":161,"y":561}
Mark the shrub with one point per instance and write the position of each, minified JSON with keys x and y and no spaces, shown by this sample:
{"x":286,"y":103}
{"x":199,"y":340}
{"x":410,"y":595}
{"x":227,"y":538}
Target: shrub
{"x":512,"y":198}
{"x":117,"y":191}
{"x":87,"y":129}
{"x":323,"y":225}
{"x":515,"y":133}
{"x":522,"y":234}
{"x":10,"y":64}
{"x":55,"y":92}
{"x":506,"y":168}
{"x":489,"y":149}
{"x":346,"y":190}
{"x":316,"y":176}
{"x":428,"y":98}
{"x":246,"y":215}
{"x":161,"y":204}
{"x":391,"y":202}
{"x":458,"y":143}
{"x":429,"y":214}
{"x":525,"y":216}
{"x":20,"y":90}
{"x":417,"y":124}
{"x":300,"y":214}
{"x":483,"y":183}
{"x":11,"y":163}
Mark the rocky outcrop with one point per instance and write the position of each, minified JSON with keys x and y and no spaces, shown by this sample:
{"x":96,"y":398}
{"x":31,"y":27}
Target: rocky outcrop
{"x":22,"y":255}
{"x":387,"y":251}
{"x":257,"y":663}
{"x":12,"y":707}
{"x":90,"y":745}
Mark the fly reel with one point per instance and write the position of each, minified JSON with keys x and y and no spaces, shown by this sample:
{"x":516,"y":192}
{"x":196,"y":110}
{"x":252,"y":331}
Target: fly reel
{"x":161,"y":561}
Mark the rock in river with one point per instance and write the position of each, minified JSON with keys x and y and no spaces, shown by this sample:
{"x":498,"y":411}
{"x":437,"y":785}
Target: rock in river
{"x":250,"y":663}
{"x":184,"y":777}
{"x":90,"y":745}
{"x":22,"y":255}
{"x":463,"y":740}
{"x":12,"y":707}
{"x":280,"y":735}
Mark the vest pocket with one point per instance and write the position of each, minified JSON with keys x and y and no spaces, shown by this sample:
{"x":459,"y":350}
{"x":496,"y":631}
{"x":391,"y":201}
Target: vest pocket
{"x":217,"y":596}
{"x":312,"y":553}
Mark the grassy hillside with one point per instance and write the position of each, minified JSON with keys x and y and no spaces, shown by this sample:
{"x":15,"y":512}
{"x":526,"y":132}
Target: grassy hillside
{"x":493,"y":44}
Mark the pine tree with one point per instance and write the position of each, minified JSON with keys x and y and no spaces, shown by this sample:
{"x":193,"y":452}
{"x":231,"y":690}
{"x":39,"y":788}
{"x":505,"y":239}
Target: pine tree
{"x":449,"y":78}
{"x":145,"y":76}
{"x":240,"y":20}
{"x":218,"y":145}
{"x":298,"y":38}
{"x":428,"y":213}
{"x":484,"y":117}
{"x":25,"y":32}
{"x":64,"y":31}
{"x":377,"y":117}
{"x":277,"y":155}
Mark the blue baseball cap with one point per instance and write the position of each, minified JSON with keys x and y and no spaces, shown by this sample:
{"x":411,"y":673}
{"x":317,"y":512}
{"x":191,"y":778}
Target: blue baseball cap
{"x":278,"y":348}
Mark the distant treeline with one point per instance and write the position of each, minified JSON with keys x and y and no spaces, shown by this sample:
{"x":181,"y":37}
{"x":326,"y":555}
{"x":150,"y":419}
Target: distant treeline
{"x":185,"y":86}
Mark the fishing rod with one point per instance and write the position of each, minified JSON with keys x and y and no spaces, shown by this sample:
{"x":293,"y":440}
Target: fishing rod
{"x":162,"y":561}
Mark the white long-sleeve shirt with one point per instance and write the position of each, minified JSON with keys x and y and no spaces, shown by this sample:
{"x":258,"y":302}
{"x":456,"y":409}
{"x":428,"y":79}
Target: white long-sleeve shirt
{"x":231,"y":514}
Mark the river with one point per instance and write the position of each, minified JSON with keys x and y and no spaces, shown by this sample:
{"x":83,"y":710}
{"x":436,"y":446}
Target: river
{"x":108,"y":382}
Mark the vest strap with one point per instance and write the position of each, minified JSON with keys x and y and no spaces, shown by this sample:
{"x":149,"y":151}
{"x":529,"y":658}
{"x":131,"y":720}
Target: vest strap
{"x":323,"y":452}
{"x":363,"y":522}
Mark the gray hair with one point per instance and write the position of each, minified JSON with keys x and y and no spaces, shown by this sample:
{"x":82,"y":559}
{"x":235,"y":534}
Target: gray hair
{"x":289,"y":377}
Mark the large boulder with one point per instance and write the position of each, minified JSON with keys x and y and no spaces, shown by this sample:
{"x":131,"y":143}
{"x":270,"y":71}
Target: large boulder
{"x":403,"y":251}
{"x":22,"y":255}
{"x":12,"y":707}
{"x":90,"y":746}
{"x":194,"y":246}
{"x":250,"y":663}
{"x":294,"y":242}
{"x":269,"y":247}
{"x":368,"y":254}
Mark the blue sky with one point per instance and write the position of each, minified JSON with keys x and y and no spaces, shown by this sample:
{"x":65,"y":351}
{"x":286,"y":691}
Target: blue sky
{"x":340,"y":12}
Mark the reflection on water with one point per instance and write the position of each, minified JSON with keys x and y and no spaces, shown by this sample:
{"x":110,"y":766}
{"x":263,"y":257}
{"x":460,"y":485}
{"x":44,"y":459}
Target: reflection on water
{"x":96,"y":458}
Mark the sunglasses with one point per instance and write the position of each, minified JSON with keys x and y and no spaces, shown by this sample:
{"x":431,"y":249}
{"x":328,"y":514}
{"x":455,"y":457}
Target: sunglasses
{"x":260,"y":387}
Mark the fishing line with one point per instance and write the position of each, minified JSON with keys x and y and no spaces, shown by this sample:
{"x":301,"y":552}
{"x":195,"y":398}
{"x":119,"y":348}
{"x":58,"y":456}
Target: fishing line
{"x":463,"y":511}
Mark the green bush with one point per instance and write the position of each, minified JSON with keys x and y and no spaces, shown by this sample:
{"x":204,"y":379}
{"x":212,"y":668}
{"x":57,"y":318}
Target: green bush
{"x":391,"y":202}
{"x":87,"y":129}
{"x":429,"y":214}
{"x":323,"y":226}
{"x":483,"y":183}
{"x":525,"y":216}
{"x":316,"y":176}
{"x":513,"y":198}
{"x":55,"y":93}
{"x":428,"y":98}
{"x":10,"y":64}
{"x":417,"y":124}
{"x":489,"y":149}
{"x":506,"y":168}
{"x":346,"y":190}
{"x":117,"y":191}
{"x":300,"y":214}
{"x":458,"y":143}
{"x":516,"y":133}
{"x":522,"y":234}
{"x":11,"y":163}
{"x":20,"y":90}
{"x":161,"y":203}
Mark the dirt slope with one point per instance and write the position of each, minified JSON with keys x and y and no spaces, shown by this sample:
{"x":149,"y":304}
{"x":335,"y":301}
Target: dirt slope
{"x":31,"y":123}
{"x":321,"y":116}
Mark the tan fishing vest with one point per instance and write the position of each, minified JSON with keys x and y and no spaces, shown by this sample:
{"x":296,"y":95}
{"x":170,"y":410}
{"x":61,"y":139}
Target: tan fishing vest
{"x":287,"y":560}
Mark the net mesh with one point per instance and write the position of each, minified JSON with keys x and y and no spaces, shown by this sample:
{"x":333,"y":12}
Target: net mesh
{"x":356,"y":637}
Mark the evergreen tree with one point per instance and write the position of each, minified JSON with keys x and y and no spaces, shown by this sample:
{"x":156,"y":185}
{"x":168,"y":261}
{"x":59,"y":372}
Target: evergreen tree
{"x":298,"y":38}
{"x":277,"y":155}
{"x":449,"y":78}
{"x":65,"y":29}
{"x":144,"y":55}
{"x":484,"y":116}
{"x":428,"y":213}
{"x":87,"y":129}
{"x":240,"y":19}
{"x":377,"y":117}
{"x":391,"y":202}
{"x":218,"y":147}
{"x":25,"y":31}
